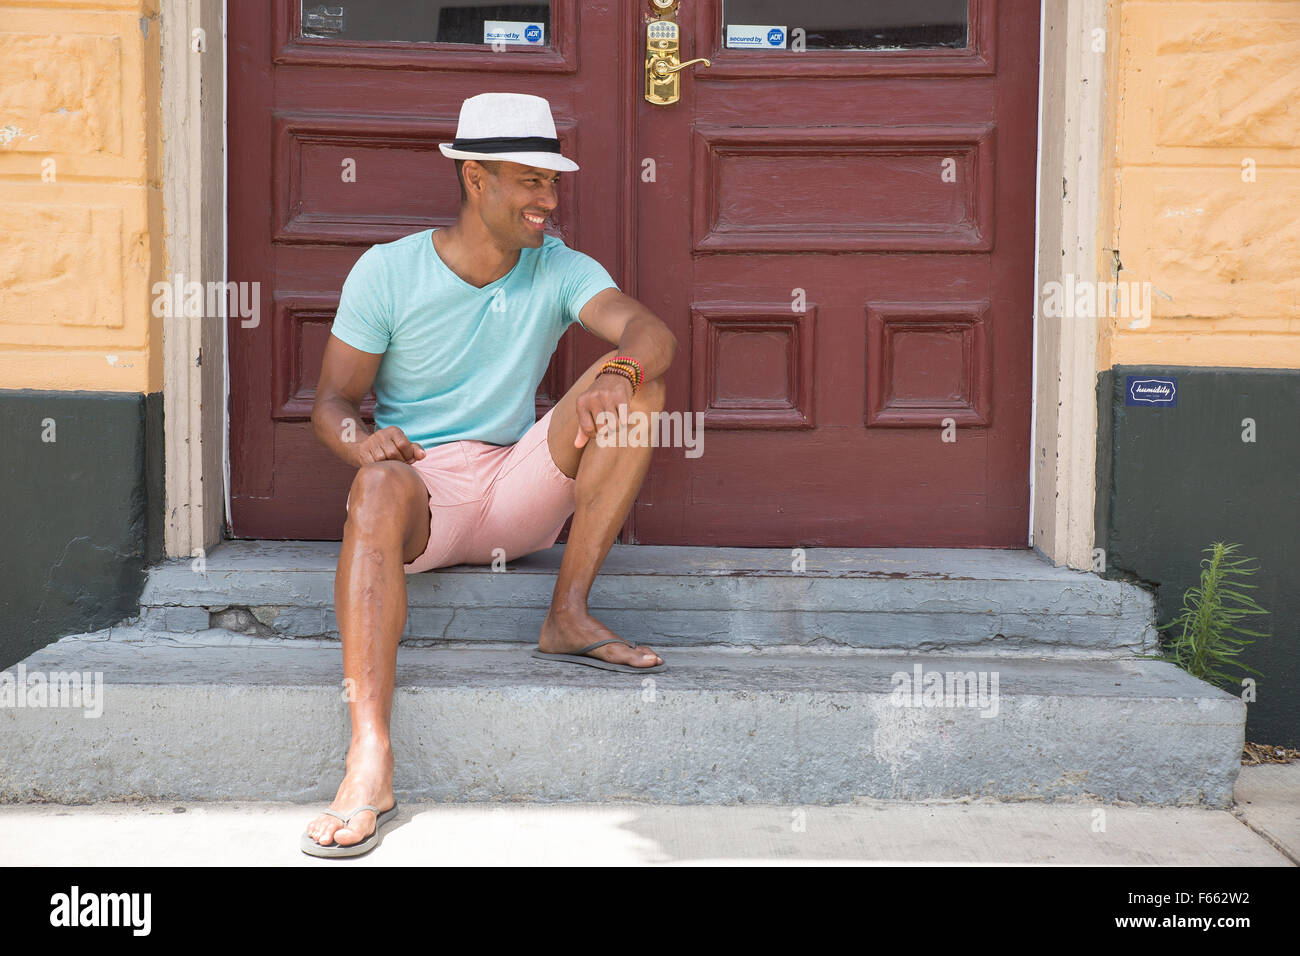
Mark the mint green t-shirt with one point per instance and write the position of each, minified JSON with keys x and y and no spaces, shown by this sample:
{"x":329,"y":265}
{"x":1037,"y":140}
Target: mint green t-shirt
{"x":461,"y":362}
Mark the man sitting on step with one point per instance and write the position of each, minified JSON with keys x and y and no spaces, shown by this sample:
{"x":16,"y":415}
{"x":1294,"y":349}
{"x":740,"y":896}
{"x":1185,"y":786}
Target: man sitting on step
{"x":455,"y":327}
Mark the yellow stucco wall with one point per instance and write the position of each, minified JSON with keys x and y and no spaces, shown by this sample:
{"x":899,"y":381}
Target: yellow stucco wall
{"x":1195,"y":90}
{"x":80,"y":201}
{"x":1196,"y":93}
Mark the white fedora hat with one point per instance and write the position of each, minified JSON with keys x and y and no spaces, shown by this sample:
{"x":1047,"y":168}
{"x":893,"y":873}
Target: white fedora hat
{"x":516,"y":127}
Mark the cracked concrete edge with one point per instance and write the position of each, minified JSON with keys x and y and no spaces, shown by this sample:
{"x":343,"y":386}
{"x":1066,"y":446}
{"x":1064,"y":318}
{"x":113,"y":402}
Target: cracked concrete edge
{"x":1099,"y":598}
{"x":137,"y":630}
{"x":424,"y":630}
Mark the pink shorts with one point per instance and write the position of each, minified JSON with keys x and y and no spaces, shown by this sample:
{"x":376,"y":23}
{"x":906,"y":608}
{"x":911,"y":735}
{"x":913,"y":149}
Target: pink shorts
{"x":483,"y":497}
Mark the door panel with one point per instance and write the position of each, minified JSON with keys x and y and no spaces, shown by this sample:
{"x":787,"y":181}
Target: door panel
{"x":837,"y":296}
{"x":377,"y":86}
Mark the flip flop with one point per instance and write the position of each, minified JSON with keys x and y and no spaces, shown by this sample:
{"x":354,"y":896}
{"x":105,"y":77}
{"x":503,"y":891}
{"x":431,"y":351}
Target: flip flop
{"x":365,"y":846}
{"x":582,"y":657}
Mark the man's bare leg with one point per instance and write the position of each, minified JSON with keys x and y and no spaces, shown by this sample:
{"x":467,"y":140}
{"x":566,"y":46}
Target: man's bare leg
{"x":608,"y":480}
{"x":387,"y":526}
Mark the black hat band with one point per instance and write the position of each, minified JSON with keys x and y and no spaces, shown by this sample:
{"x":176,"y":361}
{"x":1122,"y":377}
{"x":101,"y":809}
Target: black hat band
{"x":508,"y":144}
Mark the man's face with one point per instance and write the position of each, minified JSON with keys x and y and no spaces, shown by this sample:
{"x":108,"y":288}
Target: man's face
{"x":516,"y":202}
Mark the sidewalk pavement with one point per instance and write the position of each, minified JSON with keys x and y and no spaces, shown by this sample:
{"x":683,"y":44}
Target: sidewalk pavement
{"x":1262,"y":829}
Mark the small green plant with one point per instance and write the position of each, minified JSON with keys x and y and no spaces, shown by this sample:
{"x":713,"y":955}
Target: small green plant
{"x":1209,"y":639}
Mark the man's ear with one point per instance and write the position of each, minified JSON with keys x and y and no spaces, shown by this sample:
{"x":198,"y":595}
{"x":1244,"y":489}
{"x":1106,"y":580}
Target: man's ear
{"x":476,"y":174}
{"x":468,"y":171}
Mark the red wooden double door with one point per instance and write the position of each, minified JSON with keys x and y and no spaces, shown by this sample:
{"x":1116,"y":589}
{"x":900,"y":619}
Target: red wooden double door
{"x":835,"y":219}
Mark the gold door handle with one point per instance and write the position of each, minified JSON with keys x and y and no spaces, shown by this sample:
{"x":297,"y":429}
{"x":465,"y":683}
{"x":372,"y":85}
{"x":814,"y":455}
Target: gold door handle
{"x":662,"y":68}
{"x":662,"y":42}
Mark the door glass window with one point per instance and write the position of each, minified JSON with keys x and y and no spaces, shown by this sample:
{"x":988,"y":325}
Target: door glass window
{"x":506,"y":25}
{"x":843,"y":24}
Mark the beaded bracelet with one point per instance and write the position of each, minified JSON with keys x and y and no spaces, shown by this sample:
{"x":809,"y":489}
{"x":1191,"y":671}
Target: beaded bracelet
{"x":620,"y":370}
{"x":630,"y":373}
{"x":632,"y":363}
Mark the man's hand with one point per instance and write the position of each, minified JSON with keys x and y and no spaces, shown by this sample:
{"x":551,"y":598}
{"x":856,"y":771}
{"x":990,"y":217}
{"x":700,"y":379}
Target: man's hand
{"x":607,"y":393}
{"x":387,"y":444}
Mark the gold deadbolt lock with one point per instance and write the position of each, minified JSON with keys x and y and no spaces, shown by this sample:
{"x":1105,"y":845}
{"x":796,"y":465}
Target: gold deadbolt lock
{"x":662,"y":86}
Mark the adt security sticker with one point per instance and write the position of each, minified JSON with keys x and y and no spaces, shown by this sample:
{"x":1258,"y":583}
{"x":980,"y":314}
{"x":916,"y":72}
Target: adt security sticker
{"x":748,"y":36}
{"x":514,"y":31}
{"x":1150,"y":391}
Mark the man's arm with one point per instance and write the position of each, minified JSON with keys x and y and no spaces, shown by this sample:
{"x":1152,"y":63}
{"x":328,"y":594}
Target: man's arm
{"x":621,"y":320}
{"x":345,"y":377}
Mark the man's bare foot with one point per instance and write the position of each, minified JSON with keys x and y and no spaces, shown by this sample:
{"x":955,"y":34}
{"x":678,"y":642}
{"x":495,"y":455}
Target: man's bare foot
{"x":567,"y":631}
{"x":369,"y":780}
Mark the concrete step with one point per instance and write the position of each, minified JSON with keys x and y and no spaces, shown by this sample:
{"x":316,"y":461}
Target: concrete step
{"x":967,"y":600}
{"x":226,"y":716}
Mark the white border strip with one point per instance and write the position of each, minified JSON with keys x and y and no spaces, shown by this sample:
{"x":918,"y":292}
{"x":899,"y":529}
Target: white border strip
{"x":225,"y":265}
{"x":1034,"y":338}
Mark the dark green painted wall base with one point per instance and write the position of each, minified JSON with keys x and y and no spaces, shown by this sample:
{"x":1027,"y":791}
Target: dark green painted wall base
{"x":82,"y":513}
{"x":1172,"y":480}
